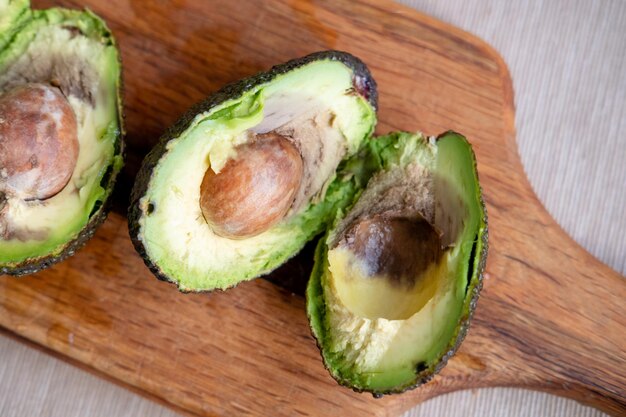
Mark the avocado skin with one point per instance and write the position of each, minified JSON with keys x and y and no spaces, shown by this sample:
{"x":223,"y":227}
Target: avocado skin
{"x":427,"y":374}
{"x":33,"y":265}
{"x":230,"y":91}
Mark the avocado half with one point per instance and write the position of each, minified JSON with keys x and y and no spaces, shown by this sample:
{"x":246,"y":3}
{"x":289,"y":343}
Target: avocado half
{"x":60,"y":81}
{"x":242,"y":181}
{"x":398,"y":276}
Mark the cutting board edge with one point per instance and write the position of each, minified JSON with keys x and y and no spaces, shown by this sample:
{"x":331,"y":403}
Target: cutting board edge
{"x":92,"y":370}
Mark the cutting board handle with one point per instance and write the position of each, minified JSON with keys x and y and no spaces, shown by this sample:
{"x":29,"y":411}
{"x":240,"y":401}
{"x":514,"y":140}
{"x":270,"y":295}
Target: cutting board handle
{"x":569,"y":333}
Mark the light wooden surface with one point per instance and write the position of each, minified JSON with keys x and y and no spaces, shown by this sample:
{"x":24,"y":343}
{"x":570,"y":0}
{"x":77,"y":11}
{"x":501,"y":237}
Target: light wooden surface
{"x":477,"y":129}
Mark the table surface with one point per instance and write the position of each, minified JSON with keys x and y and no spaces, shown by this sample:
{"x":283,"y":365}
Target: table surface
{"x":568,"y":64}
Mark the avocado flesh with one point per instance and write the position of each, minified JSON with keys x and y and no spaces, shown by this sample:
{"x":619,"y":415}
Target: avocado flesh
{"x":374,"y":334}
{"x":75,"y":52}
{"x":12,"y":14}
{"x":315,"y":106}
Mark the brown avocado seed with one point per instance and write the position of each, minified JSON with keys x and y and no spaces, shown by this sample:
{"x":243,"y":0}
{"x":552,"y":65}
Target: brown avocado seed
{"x":38,"y":142}
{"x":254,"y":190}
{"x":398,"y":248}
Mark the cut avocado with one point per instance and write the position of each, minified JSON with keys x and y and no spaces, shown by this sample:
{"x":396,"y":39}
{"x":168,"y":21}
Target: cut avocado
{"x":397,"y":277}
{"x":247,"y":177}
{"x":60,"y":132}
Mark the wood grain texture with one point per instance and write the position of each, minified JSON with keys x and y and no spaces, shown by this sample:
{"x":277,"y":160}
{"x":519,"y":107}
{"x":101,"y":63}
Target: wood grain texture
{"x":551,"y":317}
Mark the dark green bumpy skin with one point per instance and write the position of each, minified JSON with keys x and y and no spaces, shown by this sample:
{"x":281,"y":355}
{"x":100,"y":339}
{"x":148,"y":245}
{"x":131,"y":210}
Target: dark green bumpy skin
{"x":99,"y":213}
{"x":314,"y":291}
{"x":363,"y":83}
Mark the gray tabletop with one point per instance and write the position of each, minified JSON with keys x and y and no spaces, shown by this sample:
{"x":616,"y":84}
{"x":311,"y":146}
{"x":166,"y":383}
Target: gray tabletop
{"x":568,"y":64}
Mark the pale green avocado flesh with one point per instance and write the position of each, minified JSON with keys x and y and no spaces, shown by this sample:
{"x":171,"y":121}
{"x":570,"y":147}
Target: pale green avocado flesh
{"x":385,"y":333}
{"x":315,"y":105}
{"x":13,"y":13}
{"x":73,"y":51}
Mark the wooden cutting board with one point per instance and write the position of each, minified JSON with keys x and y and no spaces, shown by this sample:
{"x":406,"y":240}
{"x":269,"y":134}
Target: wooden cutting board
{"x":551,"y":317}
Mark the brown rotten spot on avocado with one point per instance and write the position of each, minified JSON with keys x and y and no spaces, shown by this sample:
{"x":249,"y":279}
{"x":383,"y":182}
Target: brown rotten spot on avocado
{"x":364,"y":86}
{"x":319,"y":140}
{"x":3,"y":202}
{"x":65,"y":69}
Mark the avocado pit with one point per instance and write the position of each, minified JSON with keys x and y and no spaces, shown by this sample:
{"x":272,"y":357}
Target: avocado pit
{"x":38,"y":142}
{"x":254,"y":190}
{"x":386,"y":265}
{"x":397,"y":248}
